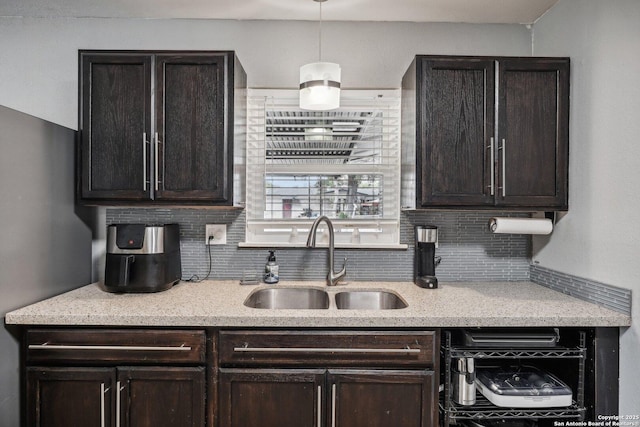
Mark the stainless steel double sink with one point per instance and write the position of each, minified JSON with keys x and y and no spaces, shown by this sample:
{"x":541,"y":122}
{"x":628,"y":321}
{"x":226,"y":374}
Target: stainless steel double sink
{"x":300,"y":298}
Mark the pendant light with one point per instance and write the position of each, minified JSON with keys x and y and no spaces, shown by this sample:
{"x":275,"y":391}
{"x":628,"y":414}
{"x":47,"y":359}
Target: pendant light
{"x":320,"y":81}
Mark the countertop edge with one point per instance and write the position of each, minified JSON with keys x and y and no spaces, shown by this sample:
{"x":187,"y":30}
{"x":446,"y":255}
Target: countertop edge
{"x":219,"y":304}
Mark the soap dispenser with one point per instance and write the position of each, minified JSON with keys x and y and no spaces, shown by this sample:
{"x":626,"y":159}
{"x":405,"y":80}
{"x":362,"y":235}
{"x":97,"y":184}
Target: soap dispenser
{"x":271,"y":273}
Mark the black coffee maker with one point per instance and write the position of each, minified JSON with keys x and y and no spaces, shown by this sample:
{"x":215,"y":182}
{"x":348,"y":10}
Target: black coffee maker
{"x":426,"y":260}
{"x":142,"y":258}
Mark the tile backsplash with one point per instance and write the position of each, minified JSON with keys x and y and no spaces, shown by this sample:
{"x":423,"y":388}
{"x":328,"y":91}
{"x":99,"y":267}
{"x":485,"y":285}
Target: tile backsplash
{"x":469,"y":253}
{"x":611,"y":297}
{"x":468,"y":250}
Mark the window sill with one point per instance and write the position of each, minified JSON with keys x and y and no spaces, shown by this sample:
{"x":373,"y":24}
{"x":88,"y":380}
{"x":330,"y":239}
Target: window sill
{"x":385,"y":246}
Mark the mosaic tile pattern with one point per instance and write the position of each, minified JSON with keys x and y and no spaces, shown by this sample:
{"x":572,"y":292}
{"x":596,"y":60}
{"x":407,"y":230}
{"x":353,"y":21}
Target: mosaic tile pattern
{"x":614,"y":298}
{"x":469,"y":251}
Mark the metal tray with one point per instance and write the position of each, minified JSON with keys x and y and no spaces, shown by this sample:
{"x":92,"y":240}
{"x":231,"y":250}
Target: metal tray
{"x":499,"y":339}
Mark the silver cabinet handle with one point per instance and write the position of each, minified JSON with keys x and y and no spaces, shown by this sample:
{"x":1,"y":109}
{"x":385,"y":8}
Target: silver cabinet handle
{"x":491,"y":148}
{"x":118,"y":391}
{"x":319,"y":403}
{"x":247,"y":349}
{"x":157,"y":161}
{"x":106,"y":347}
{"x":102,"y":410}
{"x":504,"y":167}
{"x":333,"y":405}
{"x":144,"y":161}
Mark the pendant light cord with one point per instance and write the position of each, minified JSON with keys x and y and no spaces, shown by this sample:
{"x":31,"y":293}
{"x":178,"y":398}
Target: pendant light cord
{"x":320,"y":33}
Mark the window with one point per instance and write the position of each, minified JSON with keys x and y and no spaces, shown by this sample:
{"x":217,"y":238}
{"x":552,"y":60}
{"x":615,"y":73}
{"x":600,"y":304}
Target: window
{"x":343,"y":163}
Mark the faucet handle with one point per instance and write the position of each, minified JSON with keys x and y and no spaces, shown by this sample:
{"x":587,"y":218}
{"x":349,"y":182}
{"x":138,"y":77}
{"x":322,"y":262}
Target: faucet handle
{"x":343,"y":272}
{"x":334,"y":278}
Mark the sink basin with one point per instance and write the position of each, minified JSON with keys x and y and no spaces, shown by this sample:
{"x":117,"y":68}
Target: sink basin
{"x":369,"y":300}
{"x":292,"y":298}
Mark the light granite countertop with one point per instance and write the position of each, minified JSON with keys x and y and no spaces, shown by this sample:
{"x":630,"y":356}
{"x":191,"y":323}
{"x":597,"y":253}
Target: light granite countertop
{"x":220,"y":304}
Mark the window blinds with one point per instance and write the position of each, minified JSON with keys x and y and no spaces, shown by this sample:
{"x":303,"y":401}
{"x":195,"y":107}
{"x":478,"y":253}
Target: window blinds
{"x":343,"y":163}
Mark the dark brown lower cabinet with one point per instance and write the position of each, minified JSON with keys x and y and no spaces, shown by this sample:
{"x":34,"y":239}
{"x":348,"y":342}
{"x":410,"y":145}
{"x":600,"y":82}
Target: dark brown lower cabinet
{"x":162,"y":397}
{"x":115,"y":378}
{"x":69,"y":397}
{"x":334,"y":397}
{"x":328,"y":378}
{"x":272,"y":397}
{"x":382,"y":398}
{"x":123,"y":396}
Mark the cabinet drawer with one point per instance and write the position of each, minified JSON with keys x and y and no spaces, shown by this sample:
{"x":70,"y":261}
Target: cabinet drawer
{"x":134,"y":346}
{"x":328,"y":348}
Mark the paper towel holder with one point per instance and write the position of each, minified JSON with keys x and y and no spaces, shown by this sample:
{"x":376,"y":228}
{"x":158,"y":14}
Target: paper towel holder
{"x":533,"y":225}
{"x":552,"y":216}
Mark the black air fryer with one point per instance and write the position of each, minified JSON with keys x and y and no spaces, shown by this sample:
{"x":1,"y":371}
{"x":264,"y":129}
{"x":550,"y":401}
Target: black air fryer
{"x":142,"y":258}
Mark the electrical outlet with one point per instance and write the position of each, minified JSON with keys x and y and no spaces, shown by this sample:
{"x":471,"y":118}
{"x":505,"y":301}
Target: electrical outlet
{"x":219,"y":233}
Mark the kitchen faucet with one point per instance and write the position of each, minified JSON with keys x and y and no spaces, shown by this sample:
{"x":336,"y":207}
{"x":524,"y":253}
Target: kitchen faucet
{"x":332,"y":278}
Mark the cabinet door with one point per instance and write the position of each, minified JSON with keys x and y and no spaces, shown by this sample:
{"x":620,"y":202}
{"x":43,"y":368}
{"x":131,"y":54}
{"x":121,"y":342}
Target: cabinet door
{"x":533,"y":132}
{"x":193,"y":157}
{"x":115,"y":126}
{"x":453,"y":149}
{"x":271,"y":397}
{"x":70,"y":397}
{"x":161,"y":397}
{"x":381,"y":398}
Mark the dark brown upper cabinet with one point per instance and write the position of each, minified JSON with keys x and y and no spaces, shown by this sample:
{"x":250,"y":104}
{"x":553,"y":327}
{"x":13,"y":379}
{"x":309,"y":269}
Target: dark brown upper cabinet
{"x":486,"y":132}
{"x":158,"y":127}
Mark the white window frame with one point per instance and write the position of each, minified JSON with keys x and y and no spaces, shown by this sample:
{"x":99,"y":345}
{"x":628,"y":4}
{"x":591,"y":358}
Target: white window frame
{"x":349,"y":233}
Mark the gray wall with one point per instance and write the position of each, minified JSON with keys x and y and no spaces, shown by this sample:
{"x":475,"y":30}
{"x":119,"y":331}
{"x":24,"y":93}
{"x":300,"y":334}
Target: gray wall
{"x":38,"y":75}
{"x":599,"y":238}
{"x":38,"y":65}
{"x":45,"y":248}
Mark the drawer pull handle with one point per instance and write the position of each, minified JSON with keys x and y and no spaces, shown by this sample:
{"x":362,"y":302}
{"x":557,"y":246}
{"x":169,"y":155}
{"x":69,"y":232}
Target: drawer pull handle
{"x":247,"y":349}
{"x":46,"y":346}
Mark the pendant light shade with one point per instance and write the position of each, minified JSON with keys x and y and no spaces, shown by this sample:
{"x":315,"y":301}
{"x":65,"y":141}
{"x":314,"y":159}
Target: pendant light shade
{"x":320,"y":86}
{"x":320,"y":81}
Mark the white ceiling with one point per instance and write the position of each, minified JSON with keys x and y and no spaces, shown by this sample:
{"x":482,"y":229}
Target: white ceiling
{"x":472,"y":11}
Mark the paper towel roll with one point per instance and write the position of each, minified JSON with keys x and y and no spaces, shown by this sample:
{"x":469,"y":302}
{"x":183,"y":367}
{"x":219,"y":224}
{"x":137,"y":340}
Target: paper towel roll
{"x":521,"y":225}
